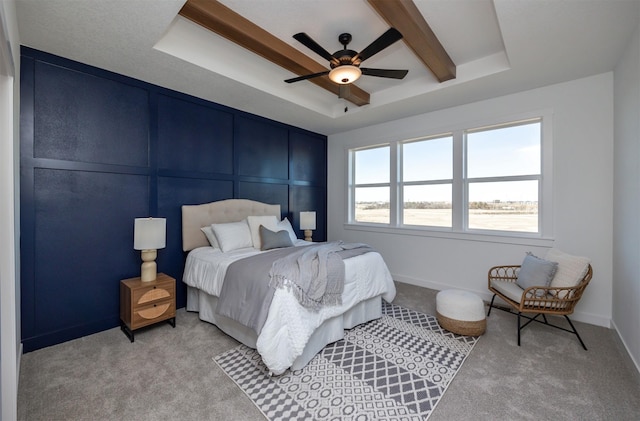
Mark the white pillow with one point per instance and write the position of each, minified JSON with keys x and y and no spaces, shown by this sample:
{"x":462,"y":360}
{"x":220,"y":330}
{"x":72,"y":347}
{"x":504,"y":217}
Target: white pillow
{"x":286,"y":225}
{"x":270,"y":222}
{"x":233,"y":235}
{"x":571,"y":269}
{"x":211,"y":237}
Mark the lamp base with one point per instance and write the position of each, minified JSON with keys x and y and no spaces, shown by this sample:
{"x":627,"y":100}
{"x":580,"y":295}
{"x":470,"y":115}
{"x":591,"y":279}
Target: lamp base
{"x":148,"y":270}
{"x":307,"y":235}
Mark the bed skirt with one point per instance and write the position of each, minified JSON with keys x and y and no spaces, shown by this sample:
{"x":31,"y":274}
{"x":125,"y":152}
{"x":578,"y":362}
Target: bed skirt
{"x":330,"y":331}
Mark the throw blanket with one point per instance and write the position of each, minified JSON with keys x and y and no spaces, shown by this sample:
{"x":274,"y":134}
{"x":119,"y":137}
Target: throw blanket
{"x":246,"y":293}
{"x":314,"y":274}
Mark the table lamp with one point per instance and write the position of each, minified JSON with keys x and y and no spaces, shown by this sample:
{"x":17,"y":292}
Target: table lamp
{"x":149,"y":234}
{"x":308,"y":224}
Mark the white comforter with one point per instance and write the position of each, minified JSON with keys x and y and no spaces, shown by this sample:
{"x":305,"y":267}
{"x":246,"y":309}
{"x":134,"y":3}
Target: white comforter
{"x":289,"y":325}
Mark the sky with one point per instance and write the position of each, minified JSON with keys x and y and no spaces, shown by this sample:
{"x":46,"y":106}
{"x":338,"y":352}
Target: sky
{"x":505,"y":151}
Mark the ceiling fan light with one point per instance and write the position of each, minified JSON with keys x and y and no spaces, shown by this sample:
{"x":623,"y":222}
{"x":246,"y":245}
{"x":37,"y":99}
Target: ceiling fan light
{"x":345,"y":74}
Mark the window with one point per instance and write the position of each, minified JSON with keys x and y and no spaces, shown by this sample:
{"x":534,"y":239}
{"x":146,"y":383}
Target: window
{"x":503,"y":177}
{"x":472,"y":180}
{"x":427,"y":181}
{"x":371,"y":185}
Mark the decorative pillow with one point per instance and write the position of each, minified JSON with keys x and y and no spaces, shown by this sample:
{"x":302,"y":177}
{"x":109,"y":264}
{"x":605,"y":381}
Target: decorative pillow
{"x":536,"y":272}
{"x":232,"y":236}
{"x":211,"y":237}
{"x":571,"y":269}
{"x":286,"y":225}
{"x":272,"y":240}
{"x":269,"y":221}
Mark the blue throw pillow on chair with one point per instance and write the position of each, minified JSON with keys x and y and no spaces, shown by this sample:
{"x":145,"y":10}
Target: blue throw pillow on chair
{"x":536,"y":272}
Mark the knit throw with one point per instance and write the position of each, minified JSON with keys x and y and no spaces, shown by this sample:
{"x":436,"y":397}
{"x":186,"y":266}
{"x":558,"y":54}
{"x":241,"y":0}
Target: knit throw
{"x":315,"y":274}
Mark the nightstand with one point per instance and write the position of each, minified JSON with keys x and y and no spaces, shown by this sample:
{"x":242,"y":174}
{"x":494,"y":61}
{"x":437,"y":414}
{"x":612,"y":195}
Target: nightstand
{"x":146,"y":303}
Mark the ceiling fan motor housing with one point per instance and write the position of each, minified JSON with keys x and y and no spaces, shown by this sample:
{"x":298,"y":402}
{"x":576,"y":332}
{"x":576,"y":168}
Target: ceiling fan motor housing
{"x":345,"y":57}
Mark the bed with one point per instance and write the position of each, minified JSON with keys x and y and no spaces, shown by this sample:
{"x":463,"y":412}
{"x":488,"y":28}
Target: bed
{"x":292,"y":334}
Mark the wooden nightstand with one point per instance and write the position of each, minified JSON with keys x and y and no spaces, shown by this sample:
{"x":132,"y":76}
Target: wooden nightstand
{"x":146,"y":303}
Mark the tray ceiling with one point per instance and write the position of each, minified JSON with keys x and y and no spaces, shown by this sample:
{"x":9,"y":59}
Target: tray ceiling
{"x":498,"y":47}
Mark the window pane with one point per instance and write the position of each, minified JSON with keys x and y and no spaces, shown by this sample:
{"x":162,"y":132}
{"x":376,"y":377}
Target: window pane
{"x":372,"y":166}
{"x":505,"y":151}
{"x":427,"y":205}
{"x":372,"y":204}
{"x":504,"y":206}
{"x":428,"y":160}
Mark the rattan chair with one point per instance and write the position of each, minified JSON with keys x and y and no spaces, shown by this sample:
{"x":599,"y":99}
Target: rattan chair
{"x":536,"y":301}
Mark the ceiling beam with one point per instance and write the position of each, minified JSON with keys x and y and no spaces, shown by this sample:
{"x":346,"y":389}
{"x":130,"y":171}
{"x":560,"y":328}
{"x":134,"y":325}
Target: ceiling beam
{"x":406,"y":18}
{"x":225,"y":22}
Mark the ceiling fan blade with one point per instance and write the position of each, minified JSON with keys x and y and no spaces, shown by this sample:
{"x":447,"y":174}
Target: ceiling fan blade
{"x":392,"y":35}
{"x":305,"y":77}
{"x":315,"y":47}
{"x":392,"y":74}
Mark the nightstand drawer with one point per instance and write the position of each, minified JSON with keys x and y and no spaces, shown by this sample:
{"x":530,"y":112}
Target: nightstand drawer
{"x":150,"y":314}
{"x":149,"y":295}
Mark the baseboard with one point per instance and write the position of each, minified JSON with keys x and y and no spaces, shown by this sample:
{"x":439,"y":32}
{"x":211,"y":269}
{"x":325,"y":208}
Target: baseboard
{"x":63,"y":335}
{"x":626,"y":348}
{"x":420,"y":282}
{"x":592,"y":319}
{"x":19,"y":362}
{"x":579,"y":316}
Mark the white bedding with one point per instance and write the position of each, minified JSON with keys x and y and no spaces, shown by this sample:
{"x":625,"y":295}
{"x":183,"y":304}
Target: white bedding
{"x":289,"y":325}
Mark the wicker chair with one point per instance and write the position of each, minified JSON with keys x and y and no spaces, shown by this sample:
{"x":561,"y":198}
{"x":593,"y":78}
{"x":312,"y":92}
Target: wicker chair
{"x":539,"y":301}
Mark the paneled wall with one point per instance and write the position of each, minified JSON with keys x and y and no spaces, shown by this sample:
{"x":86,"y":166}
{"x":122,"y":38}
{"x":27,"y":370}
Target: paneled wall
{"x":99,"y":149}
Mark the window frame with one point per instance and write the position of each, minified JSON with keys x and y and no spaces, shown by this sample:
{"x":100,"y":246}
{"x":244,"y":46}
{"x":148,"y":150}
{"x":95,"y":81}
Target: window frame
{"x":402,"y":183}
{"x":467,"y":181}
{"x":352,"y":186}
{"x":459,"y":229}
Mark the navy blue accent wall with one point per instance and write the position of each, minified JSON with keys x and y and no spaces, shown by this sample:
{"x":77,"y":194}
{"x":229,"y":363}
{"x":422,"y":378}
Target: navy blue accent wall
{"x":99,"y":149}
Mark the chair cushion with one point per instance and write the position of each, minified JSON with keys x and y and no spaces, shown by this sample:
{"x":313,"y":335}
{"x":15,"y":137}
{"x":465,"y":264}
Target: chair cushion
{"x":513,"y":291}
{"x":510,"y":290}
{"x":571,"y":269}
{"x":536,"y":272}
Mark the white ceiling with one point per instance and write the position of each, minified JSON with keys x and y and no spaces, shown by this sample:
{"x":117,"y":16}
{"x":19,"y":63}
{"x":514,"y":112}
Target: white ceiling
{"x":499,"y":47}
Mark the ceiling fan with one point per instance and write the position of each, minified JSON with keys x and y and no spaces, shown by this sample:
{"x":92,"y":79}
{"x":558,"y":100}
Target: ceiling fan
{"x":345,"y":64}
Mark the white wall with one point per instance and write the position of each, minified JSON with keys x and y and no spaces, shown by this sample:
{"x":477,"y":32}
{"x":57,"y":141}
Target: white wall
{"x":583,"y":192}
{"x":626,"y":232}
{"x":10,"y":348}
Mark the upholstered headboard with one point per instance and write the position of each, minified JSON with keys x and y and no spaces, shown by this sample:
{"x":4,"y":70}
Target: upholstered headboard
{"x":195,"y":217}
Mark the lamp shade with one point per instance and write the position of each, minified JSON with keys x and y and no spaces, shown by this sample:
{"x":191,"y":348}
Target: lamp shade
{"x":345,"y":74}
{"x":307,"y":220}
{"x":149,"y":233}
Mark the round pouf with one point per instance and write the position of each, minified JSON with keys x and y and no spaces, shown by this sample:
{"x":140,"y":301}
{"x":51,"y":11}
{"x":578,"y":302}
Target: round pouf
{"x":460,"y":312}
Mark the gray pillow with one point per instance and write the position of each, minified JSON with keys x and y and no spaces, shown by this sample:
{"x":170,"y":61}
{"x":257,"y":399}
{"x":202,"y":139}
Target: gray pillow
{"x":271,"y":240}
{"x":536,"y":272}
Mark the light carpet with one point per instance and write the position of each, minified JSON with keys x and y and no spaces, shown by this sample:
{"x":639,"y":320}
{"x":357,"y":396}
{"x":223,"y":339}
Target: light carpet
{"x":397,"y":367}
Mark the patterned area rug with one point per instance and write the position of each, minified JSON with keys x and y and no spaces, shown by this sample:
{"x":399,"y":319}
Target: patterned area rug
{"x":394,"y":368}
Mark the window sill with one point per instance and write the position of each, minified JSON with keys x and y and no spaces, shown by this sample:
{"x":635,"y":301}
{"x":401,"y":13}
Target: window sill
{"x":487,"y":237}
